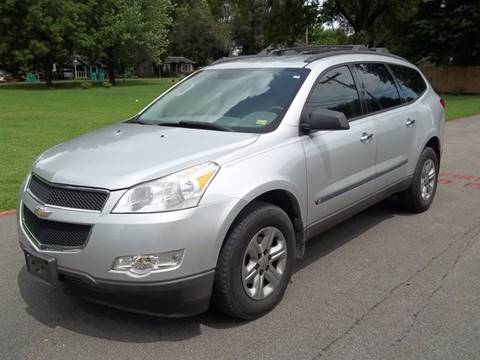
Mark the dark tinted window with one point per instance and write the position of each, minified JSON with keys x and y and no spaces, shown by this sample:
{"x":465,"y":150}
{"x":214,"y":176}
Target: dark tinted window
{"x":380,"y":90}
{"x":410,"y":81}
{"x":336,"y":91}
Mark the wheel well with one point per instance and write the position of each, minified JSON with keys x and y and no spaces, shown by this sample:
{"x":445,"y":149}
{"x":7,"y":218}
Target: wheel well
{"x":434,"y":143}
{"x":288,"y":203}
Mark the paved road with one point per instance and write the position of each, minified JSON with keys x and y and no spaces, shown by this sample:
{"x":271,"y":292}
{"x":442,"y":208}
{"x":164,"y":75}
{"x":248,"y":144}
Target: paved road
{"x":384,"y":285}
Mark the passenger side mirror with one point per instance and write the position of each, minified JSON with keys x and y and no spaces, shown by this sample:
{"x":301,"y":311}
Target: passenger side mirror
{"x":323,"y":119}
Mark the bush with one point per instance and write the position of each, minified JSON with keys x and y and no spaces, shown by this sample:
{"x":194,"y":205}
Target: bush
{"x":106,"y":85}
{"x":86,"y":85}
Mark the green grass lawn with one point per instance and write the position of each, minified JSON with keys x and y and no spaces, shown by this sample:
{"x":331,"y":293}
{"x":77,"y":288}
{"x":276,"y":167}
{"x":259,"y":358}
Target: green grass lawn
{"x":462,"y":105}
{"x":32,"y":120}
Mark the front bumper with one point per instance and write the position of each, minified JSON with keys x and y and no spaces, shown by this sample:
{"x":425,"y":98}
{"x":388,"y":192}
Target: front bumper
{"x":176,"y":298}
{"x":183,"y":290}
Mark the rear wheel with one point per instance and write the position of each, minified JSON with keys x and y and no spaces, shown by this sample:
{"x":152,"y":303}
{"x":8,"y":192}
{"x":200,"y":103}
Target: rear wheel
{"x":255,"y":263}
{"x":419,"y":196}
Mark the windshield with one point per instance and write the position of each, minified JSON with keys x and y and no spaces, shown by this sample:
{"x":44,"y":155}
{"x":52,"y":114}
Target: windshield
{"x":246,"y":100}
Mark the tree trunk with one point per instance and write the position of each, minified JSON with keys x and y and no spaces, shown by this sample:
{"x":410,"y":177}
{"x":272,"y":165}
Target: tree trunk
{"x":47,"y":68}
{"x":111,"y":72}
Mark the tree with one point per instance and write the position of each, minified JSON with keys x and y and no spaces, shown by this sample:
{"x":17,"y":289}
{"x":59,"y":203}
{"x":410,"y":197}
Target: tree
{"x":247,"y":23}
{"x":256,"y":24}
{"x":126,"y":32}
{"x":41,"y":32}
{"x":327,"y":36}
{"x":369,"y":20}
{"x":196,"y":34}
{"x":288,"y":21}
{"x":448,"y":31}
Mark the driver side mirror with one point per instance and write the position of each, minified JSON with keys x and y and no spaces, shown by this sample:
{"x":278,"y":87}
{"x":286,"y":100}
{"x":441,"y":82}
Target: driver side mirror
{"x":323,"y":119}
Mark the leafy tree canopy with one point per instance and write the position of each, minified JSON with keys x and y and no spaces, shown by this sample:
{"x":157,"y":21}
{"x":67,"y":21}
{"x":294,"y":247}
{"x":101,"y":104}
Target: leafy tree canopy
{"x":196,"y":34}
{"x":448,"y":31}
{"x":256,"y":24}
{"x":127,"y":32}
{"x":41,"y":32}
{"x":371,"y":22}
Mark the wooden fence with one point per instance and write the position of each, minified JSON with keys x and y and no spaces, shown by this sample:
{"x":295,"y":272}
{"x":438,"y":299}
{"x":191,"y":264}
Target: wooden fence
{"x":453,"y":79}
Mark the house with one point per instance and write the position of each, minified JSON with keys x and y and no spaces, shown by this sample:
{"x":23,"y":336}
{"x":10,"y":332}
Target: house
{"x":147,"y":69}
{"x":80,"y":68}
{"x":177,"y":65}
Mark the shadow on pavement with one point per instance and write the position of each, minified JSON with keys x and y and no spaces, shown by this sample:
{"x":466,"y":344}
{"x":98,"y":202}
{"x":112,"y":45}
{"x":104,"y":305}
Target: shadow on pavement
{"x":342,"y":233}
{"x":54,"y":308}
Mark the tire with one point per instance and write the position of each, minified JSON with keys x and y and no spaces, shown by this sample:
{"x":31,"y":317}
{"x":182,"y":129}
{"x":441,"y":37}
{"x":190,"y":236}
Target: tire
{"x":232,"y":294}
{"x":412,"y":198}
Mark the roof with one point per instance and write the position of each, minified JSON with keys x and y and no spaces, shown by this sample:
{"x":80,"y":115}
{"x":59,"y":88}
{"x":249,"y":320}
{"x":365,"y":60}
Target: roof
{"x":178,"y":59}
{"x":301,"y":56}
{"x":85,"y":61}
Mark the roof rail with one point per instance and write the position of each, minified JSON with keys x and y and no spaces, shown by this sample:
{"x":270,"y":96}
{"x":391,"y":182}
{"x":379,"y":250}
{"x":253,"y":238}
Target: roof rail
{"x":235,"y":58}
{"x":367,"y":51}
{"x":316,"y":52}
{"x":314,"y":49}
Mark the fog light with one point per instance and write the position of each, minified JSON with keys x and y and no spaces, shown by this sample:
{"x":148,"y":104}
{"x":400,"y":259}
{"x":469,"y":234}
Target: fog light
{"x":141,"y":265}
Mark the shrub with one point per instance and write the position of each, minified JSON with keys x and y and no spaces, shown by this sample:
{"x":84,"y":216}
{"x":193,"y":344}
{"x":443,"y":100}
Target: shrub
{"x":106,"y":85}
{"x":86,"y":85}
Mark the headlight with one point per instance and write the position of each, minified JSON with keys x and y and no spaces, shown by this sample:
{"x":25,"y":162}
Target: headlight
{"x":180,"y":190}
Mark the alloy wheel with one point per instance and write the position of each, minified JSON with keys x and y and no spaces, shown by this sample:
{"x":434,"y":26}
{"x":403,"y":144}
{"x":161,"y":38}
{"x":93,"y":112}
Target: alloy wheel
{"x":264,"y":263}
{"x":427,"y":179}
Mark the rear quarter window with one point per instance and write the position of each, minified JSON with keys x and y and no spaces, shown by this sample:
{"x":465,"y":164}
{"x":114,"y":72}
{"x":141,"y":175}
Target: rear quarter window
{"x":410,"y":81}
{"x":380,"y":91}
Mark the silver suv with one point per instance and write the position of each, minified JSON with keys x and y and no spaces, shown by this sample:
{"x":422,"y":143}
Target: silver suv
{"x":208,"y":195}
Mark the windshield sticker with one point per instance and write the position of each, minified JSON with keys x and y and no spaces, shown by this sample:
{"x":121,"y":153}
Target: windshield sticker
{"x":262,"y":122}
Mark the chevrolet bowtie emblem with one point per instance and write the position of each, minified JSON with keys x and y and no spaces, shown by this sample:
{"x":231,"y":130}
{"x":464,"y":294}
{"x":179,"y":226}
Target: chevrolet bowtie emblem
{"x":41,"y":212}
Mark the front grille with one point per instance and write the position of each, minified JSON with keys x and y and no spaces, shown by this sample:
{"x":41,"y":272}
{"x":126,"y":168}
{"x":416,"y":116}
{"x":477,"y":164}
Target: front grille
{"x":67,"y":196}
{"x":55,"y":235}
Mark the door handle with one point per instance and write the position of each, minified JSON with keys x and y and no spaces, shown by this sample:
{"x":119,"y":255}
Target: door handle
{"x":410,"y":122}
{"x":366,"y":137}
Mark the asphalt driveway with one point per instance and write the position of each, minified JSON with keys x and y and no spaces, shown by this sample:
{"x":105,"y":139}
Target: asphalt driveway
{"x":383,"y":285}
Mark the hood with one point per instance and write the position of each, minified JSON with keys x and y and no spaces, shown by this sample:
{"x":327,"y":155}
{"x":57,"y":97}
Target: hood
{"x":122,"y":155}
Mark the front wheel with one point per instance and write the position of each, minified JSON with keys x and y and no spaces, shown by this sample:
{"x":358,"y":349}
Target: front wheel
{"x":419,"y":196}
{"x":255,"y":263}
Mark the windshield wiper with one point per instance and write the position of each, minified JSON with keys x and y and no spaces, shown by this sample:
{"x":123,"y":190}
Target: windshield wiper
{"x":142,"y":122}
{"x":196,"y":125}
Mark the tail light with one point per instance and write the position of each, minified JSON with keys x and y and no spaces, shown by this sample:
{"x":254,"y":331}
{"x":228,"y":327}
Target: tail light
{"x":443,"y":103}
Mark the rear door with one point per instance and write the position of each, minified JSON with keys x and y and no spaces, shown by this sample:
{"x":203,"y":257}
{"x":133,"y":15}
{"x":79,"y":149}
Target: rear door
{"x":340,"y":163}
{"x":418,"y":113}
{"x":394,"y":123}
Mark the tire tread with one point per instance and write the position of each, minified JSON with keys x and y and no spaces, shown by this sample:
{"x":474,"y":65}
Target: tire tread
{"x":223,"y":295}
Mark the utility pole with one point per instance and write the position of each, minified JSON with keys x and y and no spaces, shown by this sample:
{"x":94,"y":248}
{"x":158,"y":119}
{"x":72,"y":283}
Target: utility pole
{"x":306,"y":35}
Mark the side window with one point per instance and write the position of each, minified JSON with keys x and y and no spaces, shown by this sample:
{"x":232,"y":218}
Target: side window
{"x":411,"y":82}
{"x":380,"y":90}
{"x":336,"y":91}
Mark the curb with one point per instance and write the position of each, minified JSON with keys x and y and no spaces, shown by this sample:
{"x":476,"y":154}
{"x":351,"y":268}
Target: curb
{"x":7,"y":213}
{"x":470,"y":117}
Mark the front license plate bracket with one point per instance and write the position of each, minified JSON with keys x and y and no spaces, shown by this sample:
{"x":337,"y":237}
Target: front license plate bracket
{"x":43,"y":268}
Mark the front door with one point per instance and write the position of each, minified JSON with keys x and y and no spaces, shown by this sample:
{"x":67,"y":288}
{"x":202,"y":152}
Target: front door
{"x":340,"y":163}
